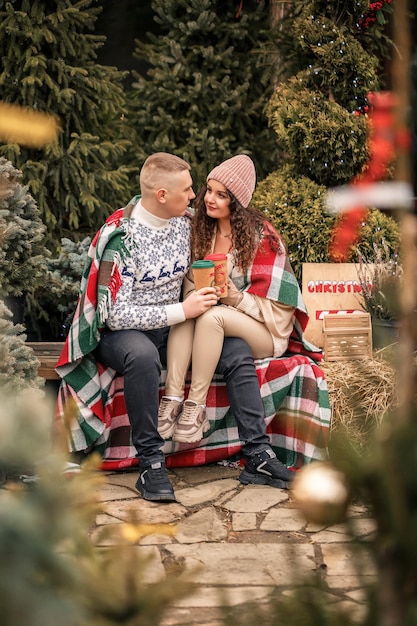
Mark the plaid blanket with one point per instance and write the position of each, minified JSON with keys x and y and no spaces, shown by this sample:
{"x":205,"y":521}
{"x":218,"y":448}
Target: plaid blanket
{"x":270,"y":275}
{"x":91,"y":400}
{"x":297,"y":413}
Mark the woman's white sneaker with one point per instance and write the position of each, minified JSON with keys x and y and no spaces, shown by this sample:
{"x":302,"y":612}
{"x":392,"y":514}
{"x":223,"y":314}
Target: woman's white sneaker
{"x":192,"y":424}
{"x":168,"y":414}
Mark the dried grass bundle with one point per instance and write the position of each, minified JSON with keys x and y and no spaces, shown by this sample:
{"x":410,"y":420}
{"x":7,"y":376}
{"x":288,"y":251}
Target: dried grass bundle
{"x":361,"y":393}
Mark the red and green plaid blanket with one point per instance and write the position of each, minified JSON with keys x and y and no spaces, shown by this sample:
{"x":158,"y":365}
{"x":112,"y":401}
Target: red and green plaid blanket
{"x":297,"y":413}
{"x":293,"y":387}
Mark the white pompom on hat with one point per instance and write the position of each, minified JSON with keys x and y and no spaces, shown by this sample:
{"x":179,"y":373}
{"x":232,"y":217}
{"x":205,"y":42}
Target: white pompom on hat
{"x":238,"y":175}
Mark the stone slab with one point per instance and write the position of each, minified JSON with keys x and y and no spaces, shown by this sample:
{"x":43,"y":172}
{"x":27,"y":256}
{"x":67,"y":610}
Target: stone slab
{"x":245,"y":564}
{"x":205,"y":492}
{"x":205,"y":525}
{"x":255,"y":499}
{"x":283,"y":519}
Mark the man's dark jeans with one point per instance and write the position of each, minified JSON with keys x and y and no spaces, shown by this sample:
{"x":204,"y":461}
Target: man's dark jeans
{"x":139,"y":356}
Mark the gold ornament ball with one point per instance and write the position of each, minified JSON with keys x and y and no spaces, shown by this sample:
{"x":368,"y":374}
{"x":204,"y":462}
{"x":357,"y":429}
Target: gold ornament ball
{"x":321,"y":493}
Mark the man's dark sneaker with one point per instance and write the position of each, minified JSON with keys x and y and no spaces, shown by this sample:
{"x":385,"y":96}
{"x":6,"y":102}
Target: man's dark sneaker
{"x":153,"y":483}
{"x":263,"y":468}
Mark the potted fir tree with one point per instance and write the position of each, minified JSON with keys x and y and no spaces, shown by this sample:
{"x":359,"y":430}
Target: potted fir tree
{"x":23,"y":256}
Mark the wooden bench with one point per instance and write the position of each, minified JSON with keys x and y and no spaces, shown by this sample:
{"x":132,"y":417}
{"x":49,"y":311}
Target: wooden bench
{"x":47,"y":352}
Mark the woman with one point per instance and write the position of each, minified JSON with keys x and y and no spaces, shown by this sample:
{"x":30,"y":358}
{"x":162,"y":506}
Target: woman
{"x":263,"y":296}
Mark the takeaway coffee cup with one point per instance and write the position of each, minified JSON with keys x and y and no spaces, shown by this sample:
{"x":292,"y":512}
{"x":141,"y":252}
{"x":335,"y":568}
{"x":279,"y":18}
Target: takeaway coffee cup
{"x":220,"y":272}
{"x":203,"y":274}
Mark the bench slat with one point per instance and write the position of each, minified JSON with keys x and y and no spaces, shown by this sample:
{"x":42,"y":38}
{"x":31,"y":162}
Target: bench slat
{"x":47,"y":352}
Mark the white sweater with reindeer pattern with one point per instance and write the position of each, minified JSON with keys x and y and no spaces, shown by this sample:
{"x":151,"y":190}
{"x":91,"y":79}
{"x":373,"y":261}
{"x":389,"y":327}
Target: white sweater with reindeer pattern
{"x":153,"y":274}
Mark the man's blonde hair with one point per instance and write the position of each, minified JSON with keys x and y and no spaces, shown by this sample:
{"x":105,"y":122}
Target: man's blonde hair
{"x":157,"y":168}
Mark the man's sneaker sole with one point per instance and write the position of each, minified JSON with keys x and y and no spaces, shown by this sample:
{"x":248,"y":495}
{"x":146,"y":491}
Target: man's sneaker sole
{"x":197,"y":436}
{"x":154,"y":497}
{"x":247,"y":478}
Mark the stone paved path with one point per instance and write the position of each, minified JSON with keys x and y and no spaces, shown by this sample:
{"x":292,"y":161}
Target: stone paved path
{"x":245,"y":541}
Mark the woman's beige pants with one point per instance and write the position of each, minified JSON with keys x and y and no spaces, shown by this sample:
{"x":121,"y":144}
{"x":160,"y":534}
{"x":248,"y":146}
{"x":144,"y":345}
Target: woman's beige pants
{"x":201,"y":340}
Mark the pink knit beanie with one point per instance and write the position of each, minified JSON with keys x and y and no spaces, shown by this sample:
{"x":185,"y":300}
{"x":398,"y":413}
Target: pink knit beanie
{"x":238,"y":176}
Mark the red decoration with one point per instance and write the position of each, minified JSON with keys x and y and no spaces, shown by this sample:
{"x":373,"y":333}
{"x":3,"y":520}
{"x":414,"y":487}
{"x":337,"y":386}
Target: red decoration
{"x":371,"y":15}
{"x":382,"y":143}
{"x":239,"y":11}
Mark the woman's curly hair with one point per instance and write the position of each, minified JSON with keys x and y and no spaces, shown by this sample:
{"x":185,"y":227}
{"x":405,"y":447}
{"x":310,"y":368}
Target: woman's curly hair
{"x":248,"y":228}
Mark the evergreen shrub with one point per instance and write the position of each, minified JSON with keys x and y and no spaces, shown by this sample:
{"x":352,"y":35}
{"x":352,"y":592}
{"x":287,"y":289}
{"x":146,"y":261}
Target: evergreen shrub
{"x":50,"y":308}
{"x":321,"y":138}
{"x":319,"y":114}
{"x":294,"y":204}
{"x":206,"y":84}
{"x":18,"y":364}
{"x":48,"y":62}
{"x":23,"y":254}
{"x":381,"y":230}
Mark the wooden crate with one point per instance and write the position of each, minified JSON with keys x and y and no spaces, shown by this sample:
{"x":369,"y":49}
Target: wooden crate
{"x":48,"y":353}
{"x":347,"y":336}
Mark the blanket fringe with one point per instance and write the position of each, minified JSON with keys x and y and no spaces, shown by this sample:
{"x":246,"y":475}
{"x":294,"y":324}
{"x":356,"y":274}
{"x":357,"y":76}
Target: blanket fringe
{"x":115,"y":281}
{"x":127,"y":239}
{"x":104,"y":307}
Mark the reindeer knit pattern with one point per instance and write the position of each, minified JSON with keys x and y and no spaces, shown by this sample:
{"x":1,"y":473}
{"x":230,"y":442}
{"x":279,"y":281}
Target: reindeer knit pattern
{"x":144,"y":294}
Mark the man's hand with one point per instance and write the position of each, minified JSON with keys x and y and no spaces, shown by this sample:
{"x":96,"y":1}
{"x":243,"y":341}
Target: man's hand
{"x":234,"y":296}
{"x":199,"y":301}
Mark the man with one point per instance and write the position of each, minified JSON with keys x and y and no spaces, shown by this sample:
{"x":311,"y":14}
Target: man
{"x":130,"y":295}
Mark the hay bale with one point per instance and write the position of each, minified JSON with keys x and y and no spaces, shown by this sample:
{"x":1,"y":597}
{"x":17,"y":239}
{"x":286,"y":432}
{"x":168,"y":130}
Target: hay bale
{"x":361,"y":393}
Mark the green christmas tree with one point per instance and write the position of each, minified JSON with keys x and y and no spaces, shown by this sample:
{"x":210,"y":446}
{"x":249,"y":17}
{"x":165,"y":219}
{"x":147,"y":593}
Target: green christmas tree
{"x":208,"y":82}
{"x":329,"y":66}
{"x":48,"y":62}
{"x":50,"y":308}
{"x":18,"y":364}
{"x":23,"y":255}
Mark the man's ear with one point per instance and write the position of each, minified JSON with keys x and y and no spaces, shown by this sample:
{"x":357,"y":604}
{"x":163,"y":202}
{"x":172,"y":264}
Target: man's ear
{"x":161,"y":195}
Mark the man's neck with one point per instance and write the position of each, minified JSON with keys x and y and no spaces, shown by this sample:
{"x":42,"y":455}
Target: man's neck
{"x":148,"y":218}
